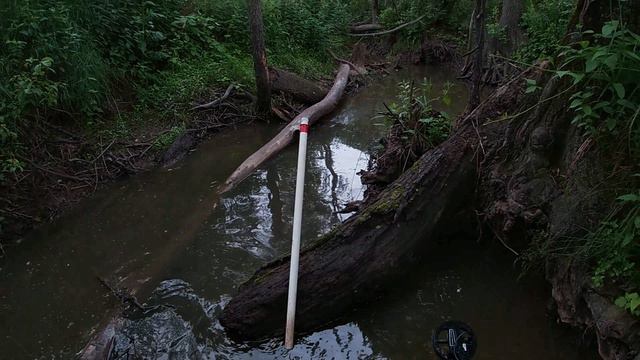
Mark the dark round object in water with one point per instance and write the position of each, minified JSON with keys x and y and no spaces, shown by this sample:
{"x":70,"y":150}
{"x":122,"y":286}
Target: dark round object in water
{"x":454,"y":340}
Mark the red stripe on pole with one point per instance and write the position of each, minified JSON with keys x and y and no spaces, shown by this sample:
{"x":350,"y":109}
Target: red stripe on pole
{"x":304,"y":128}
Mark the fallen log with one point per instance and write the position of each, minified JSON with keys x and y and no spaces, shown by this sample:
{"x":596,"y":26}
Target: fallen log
{"x":301,"y":89}
{"x":346,"y":266}
{"x":357,"y":29}
{"x":287,"y":135}
{"x":397,"y":28}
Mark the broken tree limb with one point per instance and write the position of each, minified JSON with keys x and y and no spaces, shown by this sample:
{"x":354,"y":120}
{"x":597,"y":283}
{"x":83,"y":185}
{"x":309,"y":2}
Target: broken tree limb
{"x":397,"y":28}
{"x":300,"y":88}
{"x":215,"y":102}
{"x":365,"y":28}
{"x":287,"y":135}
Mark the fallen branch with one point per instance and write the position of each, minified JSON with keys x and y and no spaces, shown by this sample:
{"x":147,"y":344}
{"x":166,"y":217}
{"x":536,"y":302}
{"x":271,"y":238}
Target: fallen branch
{"x":397,"y":28}
{"x":365,"y":27}
{"x":287,"y":135}
{"x":216,"y":102}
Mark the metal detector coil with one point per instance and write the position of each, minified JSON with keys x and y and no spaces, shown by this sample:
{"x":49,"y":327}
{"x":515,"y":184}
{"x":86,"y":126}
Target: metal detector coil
{"x":454,"y":340}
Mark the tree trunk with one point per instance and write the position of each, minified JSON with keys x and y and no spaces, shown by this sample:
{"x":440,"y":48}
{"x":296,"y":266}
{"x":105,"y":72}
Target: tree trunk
{"x":510,"y":22}
{"x":510,"y":37}
{"x":263,"y":86}
{"x":287,"y":135}
{"x":478,"y":57}
{"x":375,"y":10}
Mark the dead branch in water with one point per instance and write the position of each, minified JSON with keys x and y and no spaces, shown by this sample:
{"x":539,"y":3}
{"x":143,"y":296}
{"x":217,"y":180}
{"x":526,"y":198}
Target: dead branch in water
{"x":287,"y":135}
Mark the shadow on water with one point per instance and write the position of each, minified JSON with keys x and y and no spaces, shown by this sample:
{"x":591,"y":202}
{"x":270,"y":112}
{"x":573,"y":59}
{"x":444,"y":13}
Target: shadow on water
{"x":167,"y":235}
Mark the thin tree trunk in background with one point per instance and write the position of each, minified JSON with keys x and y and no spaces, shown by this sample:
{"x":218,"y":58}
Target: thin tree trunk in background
{"x":476,"y":76}
{"x":375,"y":10}
{"x":263,"y":86}
{"x":509,"y":21}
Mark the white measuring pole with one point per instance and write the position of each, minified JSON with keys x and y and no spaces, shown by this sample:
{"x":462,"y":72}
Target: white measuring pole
{"x":295,"y":243}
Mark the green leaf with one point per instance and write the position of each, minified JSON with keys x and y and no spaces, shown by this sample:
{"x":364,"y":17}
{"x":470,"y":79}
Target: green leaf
{"x":611,"y":123}
{"x":611,"y":61}
{"x":621,"y":302}
{"x":629,"y":197}
{"x":575,"y":103}
{"x":619,"y":89}
{"x":577,"y":77}
{"x":591,"y":65}
{"x":628,"y":237}
{"x":632,"y":55}
{"x":609,"y":28}
{"x":634,"y":301}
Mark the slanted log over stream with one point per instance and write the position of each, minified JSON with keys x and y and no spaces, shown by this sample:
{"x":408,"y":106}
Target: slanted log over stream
{"x":346,"y":266}
{"x":515,"y":162}
{"x":286,"y":136}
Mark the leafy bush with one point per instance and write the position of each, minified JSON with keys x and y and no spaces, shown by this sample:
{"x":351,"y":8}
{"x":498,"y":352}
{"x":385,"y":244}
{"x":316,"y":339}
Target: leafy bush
{"x":415,"y":113}
{"x":606,"y":101}
{"x":544,"y":23}
{"x":605,"y":78}
{"x":616,"y":246}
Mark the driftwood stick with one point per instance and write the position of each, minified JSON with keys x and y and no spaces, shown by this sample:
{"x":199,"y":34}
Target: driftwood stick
{"x":397,"y":28}
{"x":216,"y":102}
{"x":287,"y":135}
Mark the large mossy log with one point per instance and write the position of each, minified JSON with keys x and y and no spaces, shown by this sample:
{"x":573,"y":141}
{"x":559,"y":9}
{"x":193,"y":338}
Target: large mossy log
{"x":346,"y":266}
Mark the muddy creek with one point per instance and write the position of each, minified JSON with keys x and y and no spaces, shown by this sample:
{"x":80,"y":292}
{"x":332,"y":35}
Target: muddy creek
{"x":168,"y":236}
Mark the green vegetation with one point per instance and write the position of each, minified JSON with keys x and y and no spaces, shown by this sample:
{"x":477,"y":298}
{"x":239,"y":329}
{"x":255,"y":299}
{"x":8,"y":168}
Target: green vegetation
{"x":422,"y":125}
{"x":603,"y":70}
{"x":606,"y":104}
{"x":75,"y":58}
{"x":544,"y":23}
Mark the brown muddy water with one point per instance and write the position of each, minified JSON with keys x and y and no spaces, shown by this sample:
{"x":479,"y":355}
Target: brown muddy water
{"x":166,"y":235}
